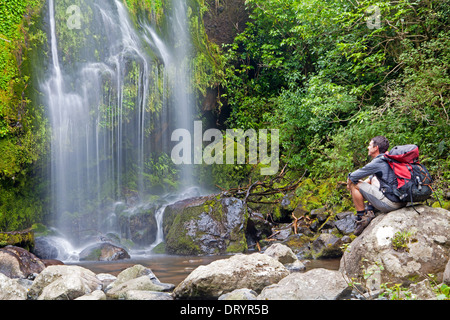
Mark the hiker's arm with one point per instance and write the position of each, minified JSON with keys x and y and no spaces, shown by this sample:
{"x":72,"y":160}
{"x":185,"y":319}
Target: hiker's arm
{"x":369,"y":169}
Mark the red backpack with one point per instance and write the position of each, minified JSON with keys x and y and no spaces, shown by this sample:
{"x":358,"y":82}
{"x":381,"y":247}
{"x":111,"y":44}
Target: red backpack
{"x":413,"y":179}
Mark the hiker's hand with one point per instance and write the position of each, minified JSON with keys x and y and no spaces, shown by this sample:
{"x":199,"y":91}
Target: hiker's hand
{"x":349,"y":183}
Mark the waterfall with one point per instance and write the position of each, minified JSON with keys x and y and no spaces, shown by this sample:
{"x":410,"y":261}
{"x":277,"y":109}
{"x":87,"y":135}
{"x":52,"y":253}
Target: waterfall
{"x":106,"y":104}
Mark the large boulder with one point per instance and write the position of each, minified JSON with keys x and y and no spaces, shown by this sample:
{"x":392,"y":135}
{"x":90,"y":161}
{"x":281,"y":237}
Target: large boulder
{"x":400,"y":247}
{"x":138,"y":223}
{"x":137,"y":278}
{"x":254,"y":271}
{"x":205,"y":225}
{"x":103,"y":251}
{"x":17,"y":262}
{"x":316,"y":284}
{"x":64,"y":283}
{"x":10,"y":289}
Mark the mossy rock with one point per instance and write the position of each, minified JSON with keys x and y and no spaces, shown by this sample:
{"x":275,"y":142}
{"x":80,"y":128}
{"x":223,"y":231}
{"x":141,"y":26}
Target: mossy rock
{"x":205,"y":225}
{"x":23,"y":239}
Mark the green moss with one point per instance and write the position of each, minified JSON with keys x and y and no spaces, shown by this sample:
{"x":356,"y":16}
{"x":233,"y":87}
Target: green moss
{"x":23,"y":239}
{"x":177,"y":240}
{"x":160,"y":248}
{"x":237,"y":246}
{"x":94,"y":255}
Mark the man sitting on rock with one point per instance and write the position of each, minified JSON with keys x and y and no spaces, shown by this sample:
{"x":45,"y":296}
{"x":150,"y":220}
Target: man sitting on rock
{"x":377,"y":189}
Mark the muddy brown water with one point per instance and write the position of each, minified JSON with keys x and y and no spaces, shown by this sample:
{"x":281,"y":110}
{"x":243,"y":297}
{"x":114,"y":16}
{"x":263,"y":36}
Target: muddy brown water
{"x":174,"y":269}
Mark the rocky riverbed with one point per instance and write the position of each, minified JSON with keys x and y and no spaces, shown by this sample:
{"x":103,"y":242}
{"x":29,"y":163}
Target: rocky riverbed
{"x":402,"y":248}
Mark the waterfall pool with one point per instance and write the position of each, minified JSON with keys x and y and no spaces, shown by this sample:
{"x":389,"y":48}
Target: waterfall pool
{"x":174,"y":269}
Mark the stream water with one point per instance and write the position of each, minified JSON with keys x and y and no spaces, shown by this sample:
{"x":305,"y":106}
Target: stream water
{"x":174,"y":269}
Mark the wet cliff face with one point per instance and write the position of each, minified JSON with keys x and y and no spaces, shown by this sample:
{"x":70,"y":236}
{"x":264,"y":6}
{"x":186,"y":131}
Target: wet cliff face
{"x":224,"y":20}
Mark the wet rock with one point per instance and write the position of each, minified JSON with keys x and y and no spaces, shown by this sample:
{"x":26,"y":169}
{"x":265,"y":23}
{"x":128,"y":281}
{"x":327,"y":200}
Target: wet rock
{"x":45,"y":249}
{"x":316,"y":284}
{"x":327,"y":246}
{"x":205,"y":225}
{"x":103,"y":252}
{"x":346,"y":222}
{"x":254,"y":271}
{"x":139,"y":224}
{"x":17,"y":262}
{"x":296,"y":266}
{"x":257,"y":228}
{"x":53,"y":248}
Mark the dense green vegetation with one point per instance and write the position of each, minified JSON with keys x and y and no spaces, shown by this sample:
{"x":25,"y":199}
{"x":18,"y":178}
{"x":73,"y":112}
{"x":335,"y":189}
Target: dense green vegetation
{"x":22,"y":123}
{"x":330,"y":76}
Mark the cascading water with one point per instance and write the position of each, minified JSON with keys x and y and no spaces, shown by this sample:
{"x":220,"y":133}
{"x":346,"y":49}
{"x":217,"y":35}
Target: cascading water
{"x":111,"y":104}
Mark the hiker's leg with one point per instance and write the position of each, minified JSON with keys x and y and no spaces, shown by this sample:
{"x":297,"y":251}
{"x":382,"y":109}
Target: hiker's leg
{"x":376,"y":198}
{"x":357,"y":197}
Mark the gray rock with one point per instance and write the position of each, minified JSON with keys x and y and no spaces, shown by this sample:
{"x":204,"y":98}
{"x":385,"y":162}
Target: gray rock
{"x":103,"y":251}
{"x":140,"y":283}
{"x":106,"y":279}
{"x":347,"y":224}
{"x":94,"y":295}
{"x":254,"y":271}
{"x":11,"y":290}
{"x":446,"y":276}
{"x":422,"y":290}
{"x":316,"y":284}
{"x":146,"y":295}
{"x":64,"y":283}
{"x":424,"y":251}
{"x":239,"y":294}
{"x":296,"y":266}
{"x":136,"y":277}
{"x":205,"y":225}
{"x":281,"y":252}
{"x":327,"y":246}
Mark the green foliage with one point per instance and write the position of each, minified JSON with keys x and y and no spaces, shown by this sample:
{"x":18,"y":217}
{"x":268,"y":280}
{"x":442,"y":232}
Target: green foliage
{"x":443,"y":292}
{"x":395,"y":292}
{"x":331,"y":75}
{"x":160,"y":174}
{"x":23,"y":128}
{"x":401,"y":240}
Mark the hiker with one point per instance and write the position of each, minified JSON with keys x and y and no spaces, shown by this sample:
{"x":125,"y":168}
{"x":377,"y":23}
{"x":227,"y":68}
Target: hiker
{"x":377,"y":189}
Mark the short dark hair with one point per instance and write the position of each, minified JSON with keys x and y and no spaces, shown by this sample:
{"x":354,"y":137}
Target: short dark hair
{"x":382,"y":143}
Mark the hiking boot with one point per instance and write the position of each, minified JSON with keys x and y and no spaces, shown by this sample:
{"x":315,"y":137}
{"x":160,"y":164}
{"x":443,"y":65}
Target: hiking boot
{"x":363,"y":223}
